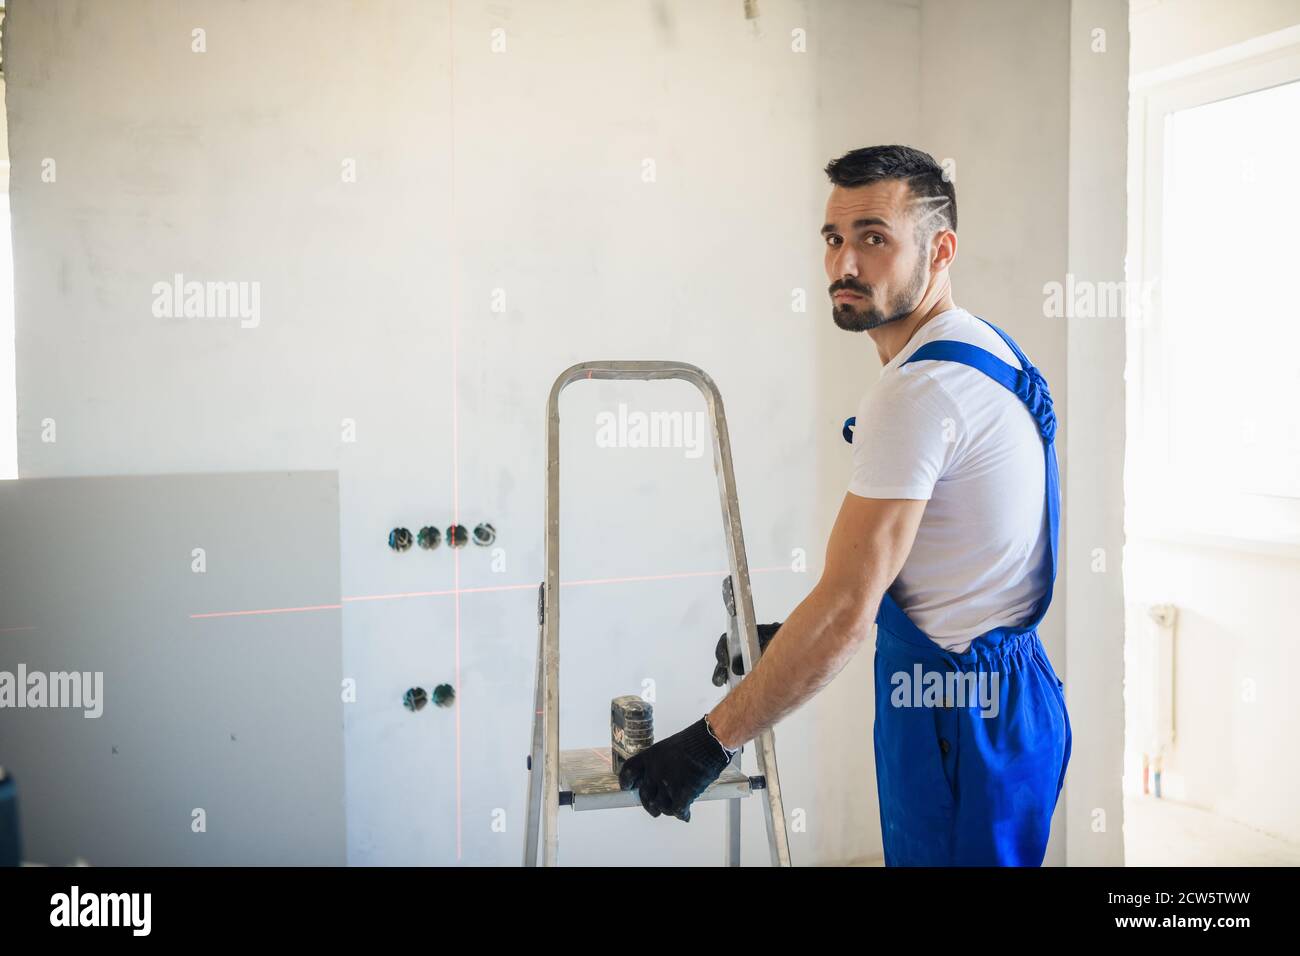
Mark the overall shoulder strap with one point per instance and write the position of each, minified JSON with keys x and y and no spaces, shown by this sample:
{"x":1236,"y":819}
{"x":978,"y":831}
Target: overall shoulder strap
{"x":1026,"y":382}
{"x":965,"y":354}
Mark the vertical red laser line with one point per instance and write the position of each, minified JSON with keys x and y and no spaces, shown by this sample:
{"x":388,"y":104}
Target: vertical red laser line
{"x":455,"y":377}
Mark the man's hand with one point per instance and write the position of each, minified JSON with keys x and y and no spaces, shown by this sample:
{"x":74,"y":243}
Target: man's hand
{"x":673,"y":772}
{"x":765,"y":634}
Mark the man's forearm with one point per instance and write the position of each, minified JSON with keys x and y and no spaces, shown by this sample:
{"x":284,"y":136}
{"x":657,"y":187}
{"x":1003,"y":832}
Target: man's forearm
{"x":819,"y":637}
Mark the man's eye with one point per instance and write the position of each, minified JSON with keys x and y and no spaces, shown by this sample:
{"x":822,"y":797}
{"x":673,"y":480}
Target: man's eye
{"x":880,"y":240}
{"x":832,"y":240}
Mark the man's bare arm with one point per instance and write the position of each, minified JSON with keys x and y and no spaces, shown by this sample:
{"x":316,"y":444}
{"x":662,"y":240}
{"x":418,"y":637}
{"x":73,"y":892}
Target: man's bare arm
{"x":868,"y":546}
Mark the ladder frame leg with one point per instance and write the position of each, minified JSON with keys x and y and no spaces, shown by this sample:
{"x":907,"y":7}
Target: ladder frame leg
{"x":731,"y":835}
{"x":534,"y":796}
{"x":731,"y":838}
{"x":773,"y":806}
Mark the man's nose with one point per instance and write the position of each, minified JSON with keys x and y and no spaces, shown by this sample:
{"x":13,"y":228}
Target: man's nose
{"x":843,"y":263}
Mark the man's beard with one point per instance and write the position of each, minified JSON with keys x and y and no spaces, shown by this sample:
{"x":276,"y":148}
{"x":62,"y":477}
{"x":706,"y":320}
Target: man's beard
{"x":849,"y":317}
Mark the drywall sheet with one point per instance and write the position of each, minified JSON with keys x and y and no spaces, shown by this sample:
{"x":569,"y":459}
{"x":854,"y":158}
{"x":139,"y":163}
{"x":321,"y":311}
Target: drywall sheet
{"x":210,"y":606}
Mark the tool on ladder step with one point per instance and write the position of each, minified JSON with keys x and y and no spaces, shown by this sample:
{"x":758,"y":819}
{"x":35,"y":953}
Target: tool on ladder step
{"x":631,"y":729}
{"x":586,"y":778}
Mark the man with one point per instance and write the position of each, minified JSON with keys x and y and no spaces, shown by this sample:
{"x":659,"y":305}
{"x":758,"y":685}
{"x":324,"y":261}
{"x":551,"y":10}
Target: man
{"x":946,"y":539}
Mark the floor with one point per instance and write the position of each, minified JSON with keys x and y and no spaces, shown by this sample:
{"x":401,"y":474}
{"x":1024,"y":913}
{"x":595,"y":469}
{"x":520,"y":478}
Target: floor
{"x":1165,"y":833}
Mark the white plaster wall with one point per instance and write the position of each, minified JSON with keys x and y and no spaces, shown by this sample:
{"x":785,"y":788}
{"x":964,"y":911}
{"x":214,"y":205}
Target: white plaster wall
{"x":519,"y":171}
{"x":1095,"y":404}
{"x":1167,"y":31}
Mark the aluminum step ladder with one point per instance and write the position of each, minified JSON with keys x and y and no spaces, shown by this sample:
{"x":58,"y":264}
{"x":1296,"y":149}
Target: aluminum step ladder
{"x":583,"y":779}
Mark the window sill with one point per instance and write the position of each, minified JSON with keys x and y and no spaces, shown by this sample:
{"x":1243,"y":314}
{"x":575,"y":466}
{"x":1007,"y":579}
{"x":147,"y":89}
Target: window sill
{"x":1285,"y":547}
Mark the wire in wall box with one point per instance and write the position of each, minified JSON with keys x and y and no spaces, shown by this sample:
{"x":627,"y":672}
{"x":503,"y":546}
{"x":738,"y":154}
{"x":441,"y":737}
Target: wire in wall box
{"x":415,"y":699}
{"x":631,"y":728}
{"x":484,"y":534}
{"x":457,"y":535}
{"x":430,"y":537}
{"x":399,"y":539}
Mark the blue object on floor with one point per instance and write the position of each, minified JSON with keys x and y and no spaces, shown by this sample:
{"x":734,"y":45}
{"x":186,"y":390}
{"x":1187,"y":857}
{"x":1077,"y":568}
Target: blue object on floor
{"x":10,"y":846}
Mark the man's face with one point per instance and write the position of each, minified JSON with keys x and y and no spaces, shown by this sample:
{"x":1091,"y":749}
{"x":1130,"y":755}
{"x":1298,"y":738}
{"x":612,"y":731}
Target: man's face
{"x":878,"y":271}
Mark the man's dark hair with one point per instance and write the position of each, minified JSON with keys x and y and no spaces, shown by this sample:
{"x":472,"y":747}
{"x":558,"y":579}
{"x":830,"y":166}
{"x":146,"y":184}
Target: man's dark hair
{"x":924,"y":177}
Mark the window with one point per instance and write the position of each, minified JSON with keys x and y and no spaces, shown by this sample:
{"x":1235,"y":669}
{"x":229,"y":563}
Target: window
{"x":1214,"y":427}
{"x":1231,"y":321}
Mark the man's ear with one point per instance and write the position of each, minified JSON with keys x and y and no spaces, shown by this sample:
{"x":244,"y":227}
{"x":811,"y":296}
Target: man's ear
{"x":943,"y":249}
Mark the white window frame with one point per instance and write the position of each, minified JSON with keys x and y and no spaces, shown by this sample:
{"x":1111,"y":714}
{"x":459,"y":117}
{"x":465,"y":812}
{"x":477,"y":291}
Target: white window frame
{"x":1260,"y":523}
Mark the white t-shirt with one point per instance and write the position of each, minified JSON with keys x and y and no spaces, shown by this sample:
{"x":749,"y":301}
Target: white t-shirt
{"x":946,"y":432}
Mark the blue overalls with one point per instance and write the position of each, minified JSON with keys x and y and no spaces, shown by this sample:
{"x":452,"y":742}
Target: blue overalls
{"x":963,"y":782}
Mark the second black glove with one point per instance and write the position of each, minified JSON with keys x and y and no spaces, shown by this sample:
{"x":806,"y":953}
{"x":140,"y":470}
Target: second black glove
{"x":765,"y":634}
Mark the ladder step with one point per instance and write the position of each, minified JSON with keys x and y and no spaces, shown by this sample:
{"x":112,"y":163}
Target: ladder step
{"x":588,"y":783}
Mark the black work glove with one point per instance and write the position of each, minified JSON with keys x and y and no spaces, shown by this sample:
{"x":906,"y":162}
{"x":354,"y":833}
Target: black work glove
{"x":765,"y":634}
{"x":670,"y":774}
